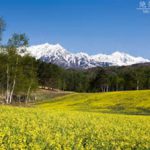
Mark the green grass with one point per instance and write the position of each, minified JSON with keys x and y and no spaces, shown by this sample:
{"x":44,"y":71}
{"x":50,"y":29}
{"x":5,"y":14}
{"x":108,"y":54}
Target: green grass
{"x":130,"y":102}
{"x":76,"y":122}
{"x":44,"y":95}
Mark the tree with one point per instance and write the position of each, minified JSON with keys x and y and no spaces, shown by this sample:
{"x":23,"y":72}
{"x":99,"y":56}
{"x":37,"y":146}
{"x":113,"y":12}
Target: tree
{"x":28,"y":78}
{"x":49,"y":75}
{"x":11,"y":72}
{"x":2,"y":27}
{"x":16,"y":41}
{"x":100,"y":82}
{"x":3,"y":59}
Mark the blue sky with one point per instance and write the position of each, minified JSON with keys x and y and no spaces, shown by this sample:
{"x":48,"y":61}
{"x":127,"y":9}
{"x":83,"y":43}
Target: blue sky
{"x":91,"y":26}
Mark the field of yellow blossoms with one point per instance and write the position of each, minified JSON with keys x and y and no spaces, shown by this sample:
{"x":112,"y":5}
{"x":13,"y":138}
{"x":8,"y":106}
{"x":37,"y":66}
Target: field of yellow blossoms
{"x":46,"y":129}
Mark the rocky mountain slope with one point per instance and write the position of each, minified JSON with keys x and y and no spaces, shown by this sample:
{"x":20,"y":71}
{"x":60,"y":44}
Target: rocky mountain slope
{"x":56,"y":54}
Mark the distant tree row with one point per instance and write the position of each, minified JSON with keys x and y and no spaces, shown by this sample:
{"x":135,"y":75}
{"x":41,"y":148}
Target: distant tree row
{"x":136,"y":77}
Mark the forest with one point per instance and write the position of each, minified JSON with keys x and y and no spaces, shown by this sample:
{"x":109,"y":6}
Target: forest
{"x":100,"y":79}
{"x":20,"y":75}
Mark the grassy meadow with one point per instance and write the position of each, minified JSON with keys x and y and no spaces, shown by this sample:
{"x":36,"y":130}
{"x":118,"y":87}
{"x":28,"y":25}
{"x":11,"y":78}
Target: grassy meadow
{"x":129,"y":102}
{"x":79,"y":121}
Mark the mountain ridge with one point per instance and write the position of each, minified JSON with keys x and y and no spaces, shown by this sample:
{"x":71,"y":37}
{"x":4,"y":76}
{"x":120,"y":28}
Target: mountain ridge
{"x":56,"y":54}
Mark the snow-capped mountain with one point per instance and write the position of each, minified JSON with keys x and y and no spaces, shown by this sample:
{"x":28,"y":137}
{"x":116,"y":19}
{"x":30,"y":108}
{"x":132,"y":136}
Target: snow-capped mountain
{"x":56,"y":54}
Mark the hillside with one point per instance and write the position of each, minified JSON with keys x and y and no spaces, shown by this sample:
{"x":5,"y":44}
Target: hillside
{"x":129,"y":102}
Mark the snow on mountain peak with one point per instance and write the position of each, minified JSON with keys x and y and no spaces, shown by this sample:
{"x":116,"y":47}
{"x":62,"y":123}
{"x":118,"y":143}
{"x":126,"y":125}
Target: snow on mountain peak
{"x":81,"y":54}
{"x":122,"y":58}
{"x":118,"y":53}
{"x":47,"y":47}
{"x":55,"y":53}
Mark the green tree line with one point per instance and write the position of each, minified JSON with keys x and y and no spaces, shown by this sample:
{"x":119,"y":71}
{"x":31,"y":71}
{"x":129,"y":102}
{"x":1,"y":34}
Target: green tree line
{"x":100,"y":79}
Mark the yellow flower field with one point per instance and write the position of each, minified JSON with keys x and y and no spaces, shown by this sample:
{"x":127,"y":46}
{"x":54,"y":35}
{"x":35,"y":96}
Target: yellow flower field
{"x":30,"y":128}
{"x":49,"y":128}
